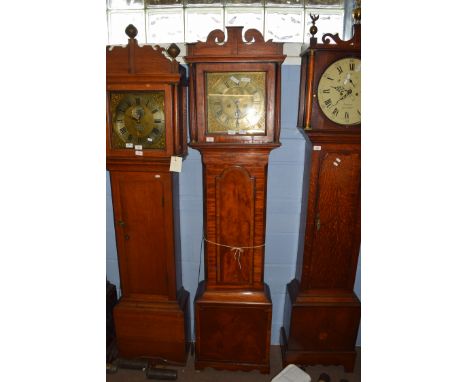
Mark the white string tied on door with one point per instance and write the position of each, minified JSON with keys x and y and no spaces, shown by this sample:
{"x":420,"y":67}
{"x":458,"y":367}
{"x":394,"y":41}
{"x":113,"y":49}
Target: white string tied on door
{"x":237,"y":250}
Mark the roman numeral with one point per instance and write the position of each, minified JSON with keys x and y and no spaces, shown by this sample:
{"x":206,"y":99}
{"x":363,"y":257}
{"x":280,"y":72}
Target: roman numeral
{"x":155,"y":110}
{"x":351,"y":66}
{"x":227,"y":83}
{"x":331,"y":79}
{"x":328,"y":102}
{"x":137,"y":100}
{"x":346,"y":115}
{"x":340,"y":69}
{"x":123,"y":130}
{"x":157,"y":121}
{"x":335,"y":112}
{"x":326,"y":91}
{"x":130,"y":138}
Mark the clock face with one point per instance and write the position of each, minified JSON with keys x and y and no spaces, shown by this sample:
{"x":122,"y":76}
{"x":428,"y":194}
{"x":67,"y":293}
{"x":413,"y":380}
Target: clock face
{"x":236,"y":102}
{"x":339,"y":91}
{"x":138,"y":119}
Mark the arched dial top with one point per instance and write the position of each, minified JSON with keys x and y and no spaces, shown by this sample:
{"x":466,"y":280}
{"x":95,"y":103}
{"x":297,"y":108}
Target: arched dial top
{"x":138,"y":119}
{"x":236,"y":102}
{"x":339,"y":91}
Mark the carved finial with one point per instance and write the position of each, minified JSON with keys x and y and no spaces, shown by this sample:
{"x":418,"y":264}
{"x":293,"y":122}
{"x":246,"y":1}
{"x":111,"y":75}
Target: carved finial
{"x":173,"y":50}
{"x":313,"y":28}
{"x":357,"y":12}
{"x":131,"y":31}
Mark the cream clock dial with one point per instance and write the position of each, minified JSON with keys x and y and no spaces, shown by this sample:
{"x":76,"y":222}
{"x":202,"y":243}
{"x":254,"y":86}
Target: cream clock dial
{"x":236,"y":102}
{"x":339,"y":91}
{"x":138,"y":120}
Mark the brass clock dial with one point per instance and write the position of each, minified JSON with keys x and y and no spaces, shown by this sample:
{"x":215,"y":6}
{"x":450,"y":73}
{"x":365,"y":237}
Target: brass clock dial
{"x":339,"y":91}
{"x":138,"y":119}
{"x":236,"y":102}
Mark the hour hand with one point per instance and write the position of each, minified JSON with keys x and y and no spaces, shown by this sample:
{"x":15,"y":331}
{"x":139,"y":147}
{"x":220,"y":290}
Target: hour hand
{"x":137,"y":113}
{"x":338,"y":88}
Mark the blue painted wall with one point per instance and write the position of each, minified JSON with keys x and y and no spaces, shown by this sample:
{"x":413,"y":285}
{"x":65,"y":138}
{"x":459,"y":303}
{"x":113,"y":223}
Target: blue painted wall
{"x":285,"y":177}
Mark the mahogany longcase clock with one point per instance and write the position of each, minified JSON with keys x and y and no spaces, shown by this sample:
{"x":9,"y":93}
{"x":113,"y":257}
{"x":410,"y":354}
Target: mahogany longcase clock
{"x":234,"y":123}
{"x":322,"y":313}
{"x":146,"y":113}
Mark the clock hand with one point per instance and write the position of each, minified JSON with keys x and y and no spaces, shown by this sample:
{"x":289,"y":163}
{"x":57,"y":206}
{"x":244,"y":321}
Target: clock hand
{"x":237,"y":113}
{"x":338,"y":88}
{"x":343,"y":94}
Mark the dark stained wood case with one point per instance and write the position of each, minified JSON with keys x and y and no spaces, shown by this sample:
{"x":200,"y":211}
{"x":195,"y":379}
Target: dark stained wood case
{"x":152,"y":318}
{"x":322,"y":313}
{"x":233,"y":305}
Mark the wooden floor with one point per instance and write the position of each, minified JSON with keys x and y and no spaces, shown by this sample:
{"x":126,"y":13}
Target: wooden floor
{"x":189,"y":374}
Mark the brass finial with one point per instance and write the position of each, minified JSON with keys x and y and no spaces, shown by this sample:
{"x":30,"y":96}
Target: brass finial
{"x":173,"y":50}
{"x":357,"y":12}
{"x":313,"y":28}
{"x":131,"y":31}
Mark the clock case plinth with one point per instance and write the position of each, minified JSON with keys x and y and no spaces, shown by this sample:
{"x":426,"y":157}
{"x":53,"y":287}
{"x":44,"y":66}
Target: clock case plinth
{"x":152,"y":318}
{"x":233,"y":305}
{"x":322,"y":312}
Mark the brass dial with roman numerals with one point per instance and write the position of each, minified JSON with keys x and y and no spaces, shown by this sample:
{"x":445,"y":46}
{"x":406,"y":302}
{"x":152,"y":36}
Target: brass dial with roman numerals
{"x":236,"y":102}
{"x":339,"y":91}
{"x":138,"y":119}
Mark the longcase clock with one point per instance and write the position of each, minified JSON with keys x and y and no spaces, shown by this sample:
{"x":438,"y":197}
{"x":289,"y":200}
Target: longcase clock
{"x":322,"y":313}
{"x":146,"y":92}
{"x":235,"y":114}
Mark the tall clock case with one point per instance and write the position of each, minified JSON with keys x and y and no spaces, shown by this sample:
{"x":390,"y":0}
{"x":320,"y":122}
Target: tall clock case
{"x":234,"y":123}
{"x":146,"y":113}
{"x":322,"y":312}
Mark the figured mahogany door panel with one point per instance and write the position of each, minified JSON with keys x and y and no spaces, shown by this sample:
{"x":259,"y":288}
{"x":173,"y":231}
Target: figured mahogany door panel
{"x":234,"y":333}
{"x":333,"y":235}
{"x":143,"y":230}
{"x":235,"y":210}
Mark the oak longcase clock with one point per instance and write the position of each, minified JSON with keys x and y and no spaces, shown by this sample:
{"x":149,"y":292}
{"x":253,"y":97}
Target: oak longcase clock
{"x":146,"y":93}
{"x":322,"y":313}
{"x":234,"y":123}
